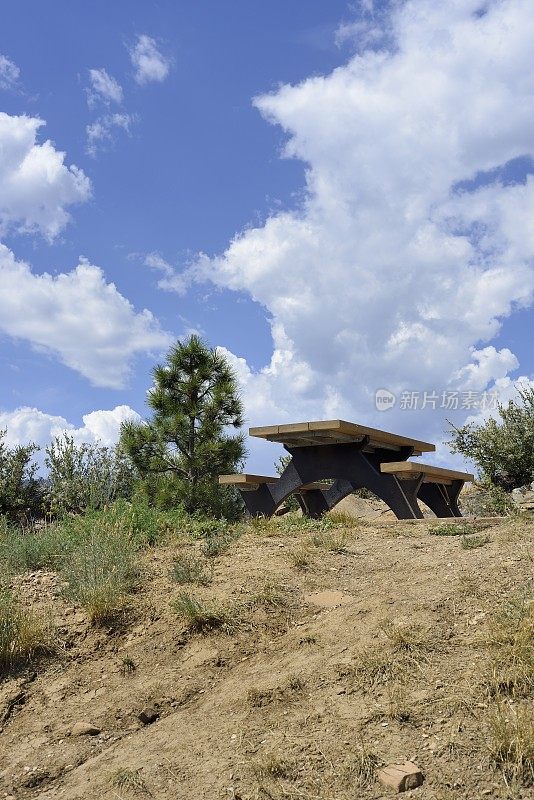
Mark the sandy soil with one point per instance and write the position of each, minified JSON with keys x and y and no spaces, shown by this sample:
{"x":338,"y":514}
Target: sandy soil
{"x":292,"y":702}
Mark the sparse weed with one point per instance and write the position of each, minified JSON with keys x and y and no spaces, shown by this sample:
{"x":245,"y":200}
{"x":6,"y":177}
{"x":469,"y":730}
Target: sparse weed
{"x":373,"y":666}
{"x":23,"y":634}
{"x":295,"y":683}
{"x":188,"y":568}
{"x":271,"y":596}
{"x":452,"y":529}
{"x":363,"y":766}
{"x":129,"y":779}
{"x":300,"y":558}
{"x":216,"y":543}
{"x":202,"y":617}
{"x":272,"y":766}
{"x":128,"y":666}
{"x":473,"y":541}
{"x":407,"y":638}
{"x":333,"y":542}
{"x":344,"y":520}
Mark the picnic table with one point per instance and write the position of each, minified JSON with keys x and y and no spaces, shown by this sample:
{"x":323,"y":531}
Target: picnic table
{"x":349,"y":456}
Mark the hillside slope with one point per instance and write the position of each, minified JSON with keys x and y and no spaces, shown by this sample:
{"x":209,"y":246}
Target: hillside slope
{"x":324,"y":655}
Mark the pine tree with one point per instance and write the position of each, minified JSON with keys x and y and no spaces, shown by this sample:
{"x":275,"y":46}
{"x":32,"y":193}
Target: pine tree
{"x":187,"y":443}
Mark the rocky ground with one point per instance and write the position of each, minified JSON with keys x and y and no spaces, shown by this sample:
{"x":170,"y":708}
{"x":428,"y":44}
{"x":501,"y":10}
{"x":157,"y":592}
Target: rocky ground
{"x":327,"y":655}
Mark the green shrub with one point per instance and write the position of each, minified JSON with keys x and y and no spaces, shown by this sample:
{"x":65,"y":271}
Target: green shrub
{"x":503,"y":450}
{"x":85,"y":476}
{"x":22,"y":633}
{"x":20,"y":489}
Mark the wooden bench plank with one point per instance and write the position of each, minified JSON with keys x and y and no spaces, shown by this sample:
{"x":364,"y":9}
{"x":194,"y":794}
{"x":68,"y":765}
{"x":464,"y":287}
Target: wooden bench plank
{"x":434,"y":474}
{"x":245,"y":480}
{"x":335,"y":431}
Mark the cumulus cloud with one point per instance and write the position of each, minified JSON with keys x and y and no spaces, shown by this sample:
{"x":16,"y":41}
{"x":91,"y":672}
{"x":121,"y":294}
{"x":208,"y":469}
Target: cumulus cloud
{"x":9,"y":73}
{"x":389,"y":274}
{"x":78,"y":317}
{"x":36,"y":186}
{"x":149,"y":63}
{"x":103,"y":89}
{"x":26,"y":424}
{"x":102,"y":131}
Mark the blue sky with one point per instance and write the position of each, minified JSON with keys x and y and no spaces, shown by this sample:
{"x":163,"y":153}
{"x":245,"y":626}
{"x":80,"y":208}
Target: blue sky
{"x":364,"y":223}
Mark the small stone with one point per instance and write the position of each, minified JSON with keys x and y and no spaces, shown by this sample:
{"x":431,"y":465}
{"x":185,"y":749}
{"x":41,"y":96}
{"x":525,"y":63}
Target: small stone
{"x":401,"y":777}
{"x":148,"y":715}
{"x":84,"y":729}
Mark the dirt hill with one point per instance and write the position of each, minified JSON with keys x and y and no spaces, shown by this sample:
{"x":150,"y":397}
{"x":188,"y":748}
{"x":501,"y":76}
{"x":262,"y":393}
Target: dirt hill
{"x":306,"y":661}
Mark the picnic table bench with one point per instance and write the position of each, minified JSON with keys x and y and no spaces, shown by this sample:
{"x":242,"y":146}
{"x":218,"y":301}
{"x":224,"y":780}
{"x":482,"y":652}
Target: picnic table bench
{"x":351,"y":457}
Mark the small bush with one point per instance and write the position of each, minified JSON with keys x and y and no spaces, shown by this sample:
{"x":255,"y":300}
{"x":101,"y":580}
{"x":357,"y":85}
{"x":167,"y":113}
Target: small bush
{"x":202,"y":617}
{"x":216,"y":543}
{"x":190,"y":569}
{"x":85,"y":476}
{"x":20,"y":489}
{"x":502,"y":449}
{"x":23,"y":634}
{"x":100,"y":573}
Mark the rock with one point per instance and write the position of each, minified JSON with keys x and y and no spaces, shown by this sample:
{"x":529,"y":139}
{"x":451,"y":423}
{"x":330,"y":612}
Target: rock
{"x":401,"y":777}
{"x":148,"y":715}
{"x":84,"y":729}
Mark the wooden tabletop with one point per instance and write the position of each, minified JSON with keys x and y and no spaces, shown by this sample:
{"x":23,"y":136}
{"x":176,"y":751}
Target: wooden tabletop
{"x":337,"y":431}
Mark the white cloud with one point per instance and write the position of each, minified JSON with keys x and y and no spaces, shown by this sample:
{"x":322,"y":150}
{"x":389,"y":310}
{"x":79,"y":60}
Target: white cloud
{"x":104,"y":88}
{"x":102,"y":131}
{"x":36,"y":187}
{"x":171,"y":281}
{"x":78,"y":317}
{"x":27,"y":424}
{"x":9,"y":73}
{"x":386,"y":275}
{"x":149,"y":63}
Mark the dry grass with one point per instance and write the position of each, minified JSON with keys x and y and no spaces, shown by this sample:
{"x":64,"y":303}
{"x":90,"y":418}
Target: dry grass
{"x":23,"y":634}
{"x":129,"y":780}
{"x":301,"y":558}
{"x":333,"y":542}
{"x":512,"y":743}
{"x":510,"y":640}
{"x":274,"y":766}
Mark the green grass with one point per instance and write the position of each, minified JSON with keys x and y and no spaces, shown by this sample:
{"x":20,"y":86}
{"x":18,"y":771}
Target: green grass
{"x":202,"y":617}
{"x":473,"y":542}
{"x":451,"y":529}
{"x":23,"y":634}
{"x":100,"y":573}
